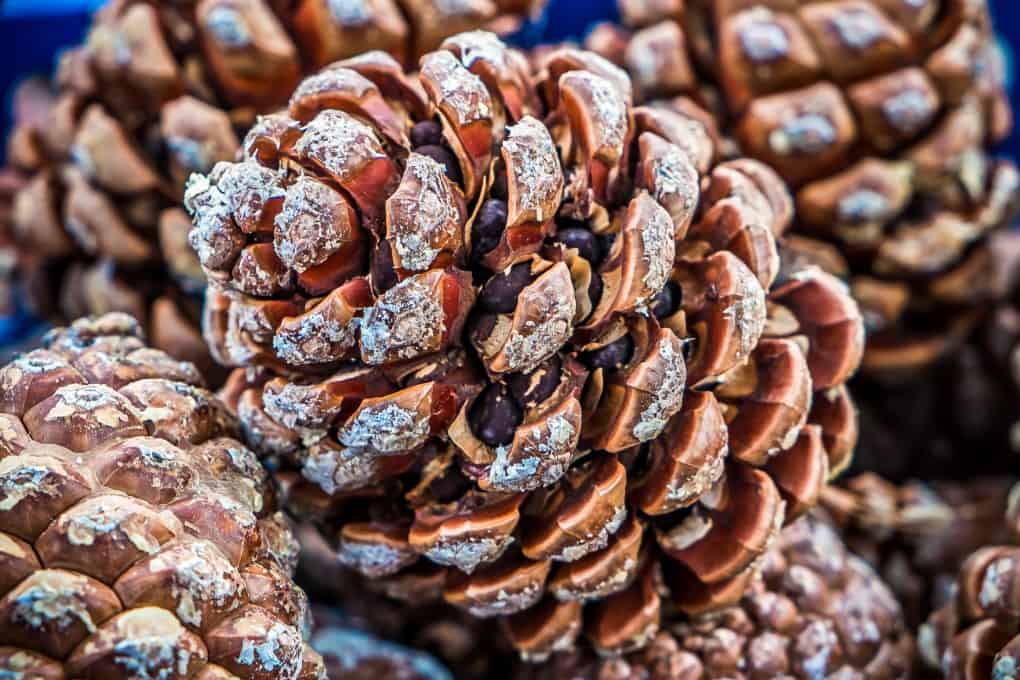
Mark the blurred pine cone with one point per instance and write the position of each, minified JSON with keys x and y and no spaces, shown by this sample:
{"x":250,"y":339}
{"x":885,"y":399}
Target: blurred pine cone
{"x":999,"y":339}
{"x":350,"y":653}
{"x":916,"y":535}
{"x":976,"y":635}
{"x":922,"y":425}
{"x":10,"y":184}
{"x":160,"y":90}
{"x":140,"y":540}
{"x":816,"y":611}
{"x":954,"y":420}
{"x":32,"y":102}
{"x":524,"y":347}
{"x":880,"y":114}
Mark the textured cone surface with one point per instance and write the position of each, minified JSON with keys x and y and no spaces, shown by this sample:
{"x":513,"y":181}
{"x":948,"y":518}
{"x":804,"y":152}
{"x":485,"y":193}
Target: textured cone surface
{"x":975,"y":634}
{"x":472,"y":649}
{"x":917,"y":535}
{"x":139,"y":538}
{"x":161,"y":90}
{"x":522,"y":342}
{"x":880,"y":114}
{"x":815,"y":611}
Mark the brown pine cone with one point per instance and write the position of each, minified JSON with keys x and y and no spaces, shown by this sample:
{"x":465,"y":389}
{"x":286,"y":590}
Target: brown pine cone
{"x":815,"y":611}
{"x":140,"y":539}
{"x":880,"y":114}
{"x":976,"y":635}
{"x":917,"y":535}
{"x":161,"y":90}
{"x":524,"y":347}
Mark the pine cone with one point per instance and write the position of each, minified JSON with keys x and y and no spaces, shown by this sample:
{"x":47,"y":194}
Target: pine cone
{"x":158,"y":91}
{"x":10,"y":184}
{"x":84,"y":247}
{"x":352,"y":654}
{"x":976,"y":634}
{"x":524,"y":346}
{"x":32,"y":101}
{"x":816,"y":611}
{"x":918,"y":534}
{"x":880,"y":114}
{"x":140,"y":539}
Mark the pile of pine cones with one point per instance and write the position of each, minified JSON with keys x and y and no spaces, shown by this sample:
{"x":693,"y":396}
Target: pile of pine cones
{"x":689,"y":352}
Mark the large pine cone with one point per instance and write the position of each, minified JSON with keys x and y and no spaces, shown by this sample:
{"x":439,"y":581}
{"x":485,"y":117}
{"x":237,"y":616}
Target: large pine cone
{"x":976,"y":635}
{"x":917,"y":535}
{"x":880,"y":114}
{"x":816,"y":611}
{"x":158,"y":91}
{"x":140,"y":540}
{"x":526,"y":346}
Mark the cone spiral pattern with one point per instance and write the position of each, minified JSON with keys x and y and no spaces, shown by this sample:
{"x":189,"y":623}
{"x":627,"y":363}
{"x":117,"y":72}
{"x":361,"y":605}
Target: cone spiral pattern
{"x":520,"y":343}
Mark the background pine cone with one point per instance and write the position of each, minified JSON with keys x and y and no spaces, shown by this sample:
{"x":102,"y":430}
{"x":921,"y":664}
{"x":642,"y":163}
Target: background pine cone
{"x":352,"y":654}
{"x":140,"y":539}
{"x":161,"y":90}
{"x":880,"y":115}
{"x":922,"y":425}
{"x":917,"y":535}
{"x":815,"y":611}
{"x":524,"y":347}
{"x":10,"y":183}
{"x":975,"y":634}
{"x":32,"y":102}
